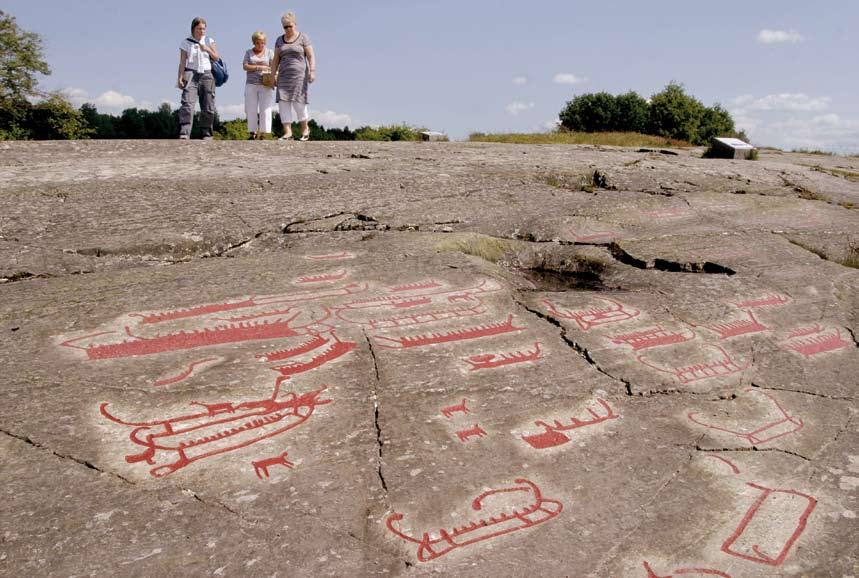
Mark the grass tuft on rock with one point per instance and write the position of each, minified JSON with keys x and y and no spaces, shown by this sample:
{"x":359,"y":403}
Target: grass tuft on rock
{"x":487,"y":248}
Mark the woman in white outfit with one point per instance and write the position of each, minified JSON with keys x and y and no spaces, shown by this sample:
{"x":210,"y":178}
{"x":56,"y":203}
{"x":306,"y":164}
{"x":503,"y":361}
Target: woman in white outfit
{"x":258,"y":97}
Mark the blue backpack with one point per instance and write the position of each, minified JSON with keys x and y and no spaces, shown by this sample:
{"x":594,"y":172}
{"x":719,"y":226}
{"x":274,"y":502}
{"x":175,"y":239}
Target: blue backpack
{"x":220,"y":72}
{"x":219,"y":69}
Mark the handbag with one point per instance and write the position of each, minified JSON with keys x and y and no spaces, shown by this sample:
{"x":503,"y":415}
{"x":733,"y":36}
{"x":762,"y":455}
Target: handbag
{"x":268,"y":79}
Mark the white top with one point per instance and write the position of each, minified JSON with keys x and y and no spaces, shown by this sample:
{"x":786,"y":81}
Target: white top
{"x":735,"y":143}
{"x":197,"y":59}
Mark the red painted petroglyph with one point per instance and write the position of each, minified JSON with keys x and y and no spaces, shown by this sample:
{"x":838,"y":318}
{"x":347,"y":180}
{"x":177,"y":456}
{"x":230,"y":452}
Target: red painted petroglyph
{"x":767,"y":432}
{"x":772,"y":300}
{"x":261,"y":467}
{"x":490,"y":360}
{"x":315,"y":342}
{"x":536,"y":511}
{"x":332,"y":352}
{"x":737,"y":327}
{"x":185,"y":374}
{"x":652,"y":337}
{"x":805,"y":331}
{"x":751,"y":533}
{"x":458,"y":335}
{"x":721,"y":367}
{"x":815,"y":344}
{"x":684,"y":571}
{"x":416,"y":302}
{"x":198,"y":311}
{"x":331,"y":257}
{"x":587,"y":319}
{"x":221,"y":428}
{"x":473,"y":432}
{"x":452,"y":409}
{"x":189,"y":339}
{"x":416,"y":286}
{"x":252,"y":316}
{"x":733,"y":467}
{"x":552,"y":435}
{"x":324,"y":277}
{"x":426,"y":317}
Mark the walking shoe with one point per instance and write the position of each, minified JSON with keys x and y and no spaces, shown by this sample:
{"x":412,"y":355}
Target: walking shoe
{"x":184,"y":137}
{"x":253,"y":136}
{"x":208,"y":137}
{"x":304,"y":137}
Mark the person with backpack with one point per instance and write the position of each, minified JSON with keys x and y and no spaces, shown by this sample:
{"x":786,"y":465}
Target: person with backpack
{"x":196,"y":54}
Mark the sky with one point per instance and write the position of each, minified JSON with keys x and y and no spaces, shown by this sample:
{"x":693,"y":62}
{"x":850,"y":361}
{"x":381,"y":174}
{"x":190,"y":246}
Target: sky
{"x":785,"y":69}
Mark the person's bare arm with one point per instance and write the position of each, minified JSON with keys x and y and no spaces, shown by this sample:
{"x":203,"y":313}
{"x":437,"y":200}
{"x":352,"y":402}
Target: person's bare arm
{"x":275,"y":62}
{"x":183,"y":58}
{"x":311,"y":63}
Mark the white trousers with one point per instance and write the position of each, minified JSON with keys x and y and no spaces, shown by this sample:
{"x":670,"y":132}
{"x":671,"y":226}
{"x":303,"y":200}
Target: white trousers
{"x":258,"y":103}
{"x":292,"y":111}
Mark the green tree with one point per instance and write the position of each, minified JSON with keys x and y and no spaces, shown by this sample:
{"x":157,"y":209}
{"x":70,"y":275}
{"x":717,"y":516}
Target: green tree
{"x":715,"y":121}
{"x":592,"y":112}
{"x":55,"y":118}
{"x":675,"y":114}
{"x":20,"y":60}
{"x":631,"y":112}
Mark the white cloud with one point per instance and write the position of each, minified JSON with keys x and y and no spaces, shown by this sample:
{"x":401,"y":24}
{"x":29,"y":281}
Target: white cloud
{"x":331,"y":119}
{"x":517,"y":107}
{"x":230,"y":111}
{"x":520,"y":80}
{"x":767,"y":36}
{"x":785,"y":101}
{"x":110,"y":101}
{"x":552,"y":124}
{"x":567,"y":78}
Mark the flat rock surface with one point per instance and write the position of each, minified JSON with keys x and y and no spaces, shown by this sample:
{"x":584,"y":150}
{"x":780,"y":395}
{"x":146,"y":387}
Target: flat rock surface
{"x":395,"y":359}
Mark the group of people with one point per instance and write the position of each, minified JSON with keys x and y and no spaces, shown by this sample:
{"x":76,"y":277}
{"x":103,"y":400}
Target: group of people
{"x":282,"y":74}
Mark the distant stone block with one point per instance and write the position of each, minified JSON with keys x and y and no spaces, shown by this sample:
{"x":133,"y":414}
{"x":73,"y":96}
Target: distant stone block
{"x":730,"y":148}
{"x":433,"y":136}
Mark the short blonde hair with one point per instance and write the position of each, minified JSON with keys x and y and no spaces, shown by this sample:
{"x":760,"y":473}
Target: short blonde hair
{"x":258,"y":35}
{"x":288,"y":18}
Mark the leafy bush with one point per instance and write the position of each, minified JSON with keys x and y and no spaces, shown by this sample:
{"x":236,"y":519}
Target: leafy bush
{"x":394,"y":132}
{"x":670,"y":113}
{"x":54,"y":118}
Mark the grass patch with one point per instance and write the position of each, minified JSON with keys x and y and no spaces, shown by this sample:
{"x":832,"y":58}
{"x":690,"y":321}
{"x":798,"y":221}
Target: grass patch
{"x":619,"y":139}
{"x":576,"y":182}
{"x":487,"y":248}
{"x":844,"y":174}
{"x":813,"y":152}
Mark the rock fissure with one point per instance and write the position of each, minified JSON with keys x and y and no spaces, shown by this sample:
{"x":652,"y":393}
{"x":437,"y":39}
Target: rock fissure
{"x":698,"y":448}
{"x":89,"y":465}
{"x":824,"y":396}
{"x":374,"y":393}
{"x":581,"y":350}
{"x":667,"y":265}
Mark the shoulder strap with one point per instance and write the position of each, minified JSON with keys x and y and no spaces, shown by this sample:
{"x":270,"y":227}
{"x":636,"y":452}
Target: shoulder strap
{"x":191,"y":40}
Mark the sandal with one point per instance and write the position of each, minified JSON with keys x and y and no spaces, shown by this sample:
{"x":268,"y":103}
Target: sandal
{"x":284,"y":137}
{"x":304,"y":138}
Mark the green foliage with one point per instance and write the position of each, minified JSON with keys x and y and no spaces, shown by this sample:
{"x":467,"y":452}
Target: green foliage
{"x":20,"y":60}
{"x":675,"y":114}
{"x":54,"y":118}
{"x":394,"y":132}
{"x":593,"y":112}
{"x":631,"y":113}
{"x":233,"y":130}
{"x":670,"y":113}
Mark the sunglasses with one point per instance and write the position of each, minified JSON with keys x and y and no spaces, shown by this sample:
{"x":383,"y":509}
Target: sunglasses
{"x":285,"y":26}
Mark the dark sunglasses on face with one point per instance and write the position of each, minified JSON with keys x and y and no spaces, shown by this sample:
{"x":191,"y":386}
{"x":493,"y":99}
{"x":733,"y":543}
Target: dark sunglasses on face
{"x":288,"y":26}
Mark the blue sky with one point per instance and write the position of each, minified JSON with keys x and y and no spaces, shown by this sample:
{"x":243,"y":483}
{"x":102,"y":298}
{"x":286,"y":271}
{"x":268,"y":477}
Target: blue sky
{"x":784,"y":68}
